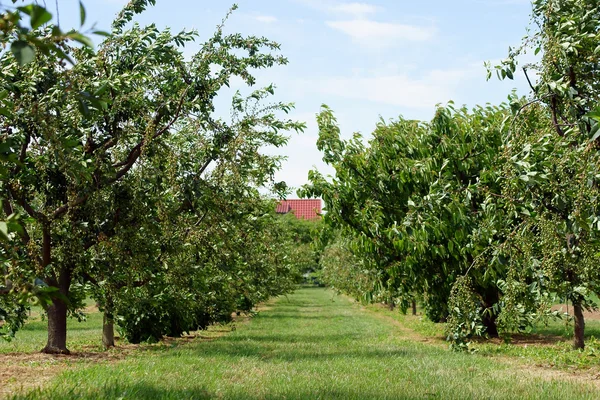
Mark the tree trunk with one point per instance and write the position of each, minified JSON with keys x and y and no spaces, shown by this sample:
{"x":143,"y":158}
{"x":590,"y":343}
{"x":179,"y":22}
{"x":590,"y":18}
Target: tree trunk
{"x":108,"y":325}
{"x":57,"y":328}
{"x":578,"y":332}
{"x":57,"y":315}
{"x":489,"y":321}
{"x":108,"y":332}
{"x":490,"y":296}
{"x":414,"y":307}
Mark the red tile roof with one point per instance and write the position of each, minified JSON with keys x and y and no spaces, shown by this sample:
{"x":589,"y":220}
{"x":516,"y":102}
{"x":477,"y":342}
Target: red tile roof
{"x":302,"y":208}
{"x":283,"y":208}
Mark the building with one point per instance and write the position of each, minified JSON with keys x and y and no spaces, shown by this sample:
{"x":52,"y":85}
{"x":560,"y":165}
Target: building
{"x":301,"y":208}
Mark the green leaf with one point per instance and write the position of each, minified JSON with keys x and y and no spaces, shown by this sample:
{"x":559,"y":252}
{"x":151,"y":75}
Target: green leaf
{"x":38,"y":14}
{"x":81,"y":13}
{"x":100,"y":91}
{"x":101,"y":33}
{"x":78,"y":37}
{"x":15,"y":226}
{"x":23,"y":51}
{"x":596,"y":133}
{"x":61,"y":53}
{"x":595,"y":115}
{"x":3,"y":230}
{"x":83,"y":107}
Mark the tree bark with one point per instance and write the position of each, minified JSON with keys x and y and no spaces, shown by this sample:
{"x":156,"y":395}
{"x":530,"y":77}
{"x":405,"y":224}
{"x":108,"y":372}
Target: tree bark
{"x":108,"y":332}
{"x":57,"y":328}
{"x":579,"y":330}
{"x":414,"y":307}
{"x":489,"y":321}
{"x":108,"y":325}
{"x":490,"y":296}
{"x":57,"y":315}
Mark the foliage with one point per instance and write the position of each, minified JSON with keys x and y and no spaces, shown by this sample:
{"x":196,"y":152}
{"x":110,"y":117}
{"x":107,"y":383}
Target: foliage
{"x":25,"y":40}
{"x":465,"y":315}
{"x":505,"y":197}
{"x":344,"y":272}
{"x":38,"y":35}
{"x":552,"y":161}
{"x":13,"y":313}
{"x":132,"y":185}
{"x":410,"y":202}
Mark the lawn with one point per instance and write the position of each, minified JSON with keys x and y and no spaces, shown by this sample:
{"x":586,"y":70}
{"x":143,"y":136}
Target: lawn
{"x":82,"y":336}
{"x":313,"y":345}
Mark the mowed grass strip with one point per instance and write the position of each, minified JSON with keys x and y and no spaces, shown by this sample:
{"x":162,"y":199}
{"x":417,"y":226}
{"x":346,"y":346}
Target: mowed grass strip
{"x":311,"y":345}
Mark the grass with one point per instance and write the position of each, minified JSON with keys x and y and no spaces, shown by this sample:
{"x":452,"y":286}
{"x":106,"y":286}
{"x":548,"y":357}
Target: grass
{"x":547,"y":345}
{"x":311,"y":345}
{"x":85,"y":335}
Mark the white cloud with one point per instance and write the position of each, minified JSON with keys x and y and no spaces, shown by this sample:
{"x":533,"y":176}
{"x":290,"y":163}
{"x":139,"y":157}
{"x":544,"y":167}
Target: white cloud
{"x":356,"y":9}
{"x":355,"y":19}
{"x":380,"y":34}
{"x":340,"y":9}
{"x":267,"y":19}
{"x":503,"y":2}
{"x":399,"y":90}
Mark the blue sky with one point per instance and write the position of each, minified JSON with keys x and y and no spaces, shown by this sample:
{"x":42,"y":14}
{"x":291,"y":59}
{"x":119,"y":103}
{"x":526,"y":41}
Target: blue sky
{"x":365,"y":59}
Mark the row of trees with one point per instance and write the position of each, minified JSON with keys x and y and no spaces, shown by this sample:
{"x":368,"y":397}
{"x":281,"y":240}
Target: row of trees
{"x":118,"y":180}
{"x":487,"y":215}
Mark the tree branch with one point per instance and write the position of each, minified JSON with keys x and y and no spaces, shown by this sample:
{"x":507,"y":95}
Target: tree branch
{"x":553,"y":107}
{"x":128,"y":163}
{"x":529,"y":81}
{"x":20,"y":198}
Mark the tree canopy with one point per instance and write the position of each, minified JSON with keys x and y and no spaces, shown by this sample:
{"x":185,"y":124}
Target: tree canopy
{"x":488,"y":215}
{"x":130,"y":186}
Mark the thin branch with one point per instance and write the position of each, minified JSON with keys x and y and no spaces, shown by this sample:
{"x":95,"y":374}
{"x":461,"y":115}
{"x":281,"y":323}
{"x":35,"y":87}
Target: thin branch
{"x":201,"y":219}
{"x":529,"y":81}
{"x":57,"y":14}
{"x":20,"y":198}
{"x":65,"y":207}
{"x":90,"y":279}
{"x":553,"y":107}
{"x":175,"y":117}
{"x":469,"y":155}
{"x":523,"y":107}
{"x":7,"y":207}
{"x":502,"y":197}
{"x":128,"y":163}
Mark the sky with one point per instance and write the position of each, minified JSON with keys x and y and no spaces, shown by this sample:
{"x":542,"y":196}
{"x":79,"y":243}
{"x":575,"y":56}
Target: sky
{"x":366,"y":60}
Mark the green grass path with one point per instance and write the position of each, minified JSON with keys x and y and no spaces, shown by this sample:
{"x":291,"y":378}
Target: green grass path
{"x":312,"y":345}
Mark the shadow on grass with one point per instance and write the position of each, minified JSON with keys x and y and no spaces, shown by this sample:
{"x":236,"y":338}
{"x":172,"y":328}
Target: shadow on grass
{"x":121,"y":391}
{"x":285,"y":352}
{"x":293,"y":316}
{"x":560,"y":330}
{"x":294,"y":338}
{"x":142,"y":391}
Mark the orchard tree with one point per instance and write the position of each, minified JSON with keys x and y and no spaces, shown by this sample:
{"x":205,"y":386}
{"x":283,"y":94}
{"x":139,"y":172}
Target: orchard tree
{"x":552,"y":158}
{"x":70,"y":149}
{"x":410,"y":203}
{"x":344,"y":272}
{"x":24,"y":30}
